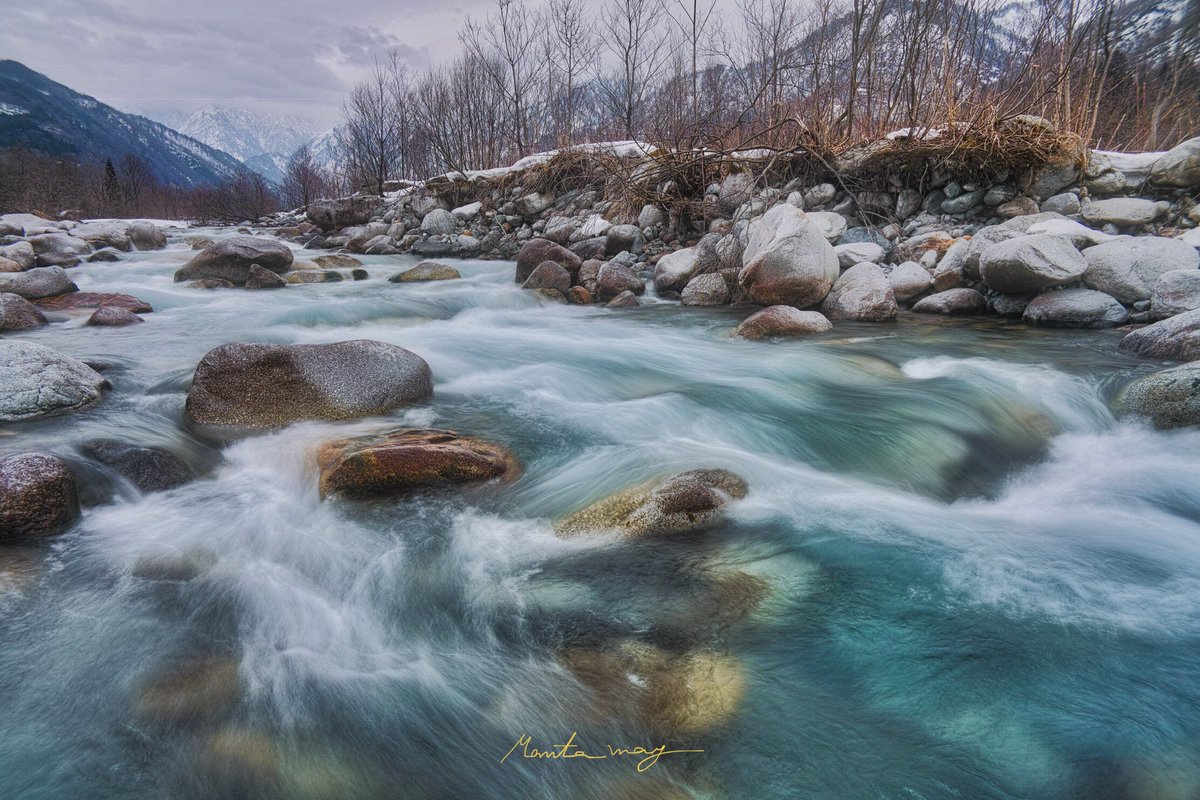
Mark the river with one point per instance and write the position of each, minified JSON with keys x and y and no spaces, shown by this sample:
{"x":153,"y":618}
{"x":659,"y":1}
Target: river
{"x":975,"y":581}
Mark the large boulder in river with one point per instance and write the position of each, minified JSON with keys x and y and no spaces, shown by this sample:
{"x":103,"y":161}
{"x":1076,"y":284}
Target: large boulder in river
{"x":1179,"y":166}
{"x":1170,"y":399}
{"x":18,"y":314}
{"x":535,"y":251}
{"x":861,"y":293}
{"x":230,"y":259}
{"x":271,"y":385}
{"x":684,"y":502}
{"x":37,"y":283}
{"x":1030,"y":264}
{"x":1128,"y":268}
{"x":405,"y":460}
{"x":103,"y":234}
{"x":787,"y":260}
{"x":1176,"y":339}
{"x":782,"y":321}
{"x":36,"y":381}
{"x":343,"y":212}
{"x":146,"y":235}
{"x":1075,"y":308}
{"x":37,"y":496}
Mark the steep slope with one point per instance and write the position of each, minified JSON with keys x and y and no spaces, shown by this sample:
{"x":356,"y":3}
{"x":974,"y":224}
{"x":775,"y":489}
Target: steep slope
{"x":45,"y":116}
{"x":246,"y":134}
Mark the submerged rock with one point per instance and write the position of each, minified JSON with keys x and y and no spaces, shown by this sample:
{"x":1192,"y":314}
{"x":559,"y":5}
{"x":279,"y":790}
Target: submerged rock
{"x":37,"y":496}
{"x":674,"y":694}
{"x":1176,"y":339}
{"x":684,"y":502}
{"x":36,"y":381}
{"x":1170,"y":399}
{"x":191,"y":692}
{"x":782,"y":321}
{"x":404,"y":460}
{"x":426,"y":271}
{"x":270,"y":385}
{"x":230,"y":259}
{"x":149,"y":469}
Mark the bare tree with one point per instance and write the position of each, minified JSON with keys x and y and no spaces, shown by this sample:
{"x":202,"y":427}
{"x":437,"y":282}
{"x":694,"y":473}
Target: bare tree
{"x":571,"y":53}
{"x":508,"y":43}
{"x":632,"y":33}
{"x":692,"y":18}
{"x":370,"y":135}
{"x":304,"y":180}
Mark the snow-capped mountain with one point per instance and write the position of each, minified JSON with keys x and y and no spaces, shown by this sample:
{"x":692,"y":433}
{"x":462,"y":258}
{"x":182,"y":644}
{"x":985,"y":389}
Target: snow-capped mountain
{"x":38,"y":113}
{"x":245,"y":134}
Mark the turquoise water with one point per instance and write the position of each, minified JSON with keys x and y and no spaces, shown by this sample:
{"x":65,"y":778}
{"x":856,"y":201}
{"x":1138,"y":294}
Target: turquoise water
{"x":978,"y":582}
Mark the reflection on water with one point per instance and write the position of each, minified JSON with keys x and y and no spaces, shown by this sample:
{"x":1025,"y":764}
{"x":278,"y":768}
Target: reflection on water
{"x":956,"y":574}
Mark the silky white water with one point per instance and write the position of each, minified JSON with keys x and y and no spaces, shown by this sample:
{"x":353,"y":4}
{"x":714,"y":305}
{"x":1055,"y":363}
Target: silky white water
{"x":982,"y":584}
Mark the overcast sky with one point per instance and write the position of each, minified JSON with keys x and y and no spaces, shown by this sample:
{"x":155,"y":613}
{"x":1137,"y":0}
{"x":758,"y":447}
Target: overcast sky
{"x":296,"y":57}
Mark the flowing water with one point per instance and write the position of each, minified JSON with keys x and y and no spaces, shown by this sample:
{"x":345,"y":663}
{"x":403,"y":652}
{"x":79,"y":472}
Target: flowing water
{"x":978,"y":582}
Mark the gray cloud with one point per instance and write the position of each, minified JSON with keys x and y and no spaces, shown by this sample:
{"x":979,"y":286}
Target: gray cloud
{"x":280,"y":57}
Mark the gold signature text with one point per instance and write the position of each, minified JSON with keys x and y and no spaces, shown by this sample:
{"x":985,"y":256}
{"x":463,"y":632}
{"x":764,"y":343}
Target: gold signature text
{"x":647,"y":756}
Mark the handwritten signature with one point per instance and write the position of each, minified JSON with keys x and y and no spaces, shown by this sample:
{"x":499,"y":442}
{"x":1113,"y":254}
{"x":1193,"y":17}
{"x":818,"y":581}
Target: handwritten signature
{"x":568,"y":750}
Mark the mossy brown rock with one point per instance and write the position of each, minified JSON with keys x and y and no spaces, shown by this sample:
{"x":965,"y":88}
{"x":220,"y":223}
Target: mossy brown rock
{"x":426,"y":271}
{"x":335,"y":261}
{"x":674,"y":694}
{"x":271,"y":385}
{"x":37,"y":496}
{"x":683,"y":502}
{"x":191,"y":691}
{"x":405,"y":460}
{"x":86,"y":301}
